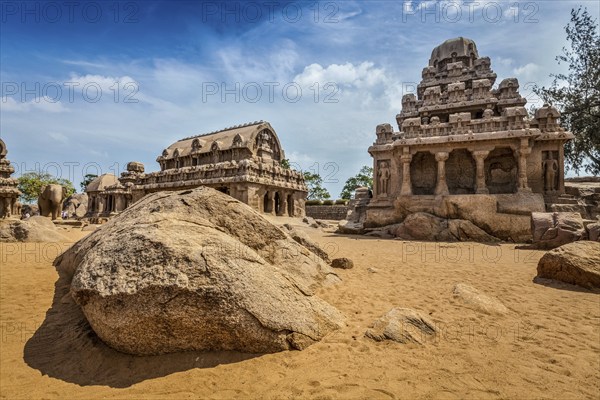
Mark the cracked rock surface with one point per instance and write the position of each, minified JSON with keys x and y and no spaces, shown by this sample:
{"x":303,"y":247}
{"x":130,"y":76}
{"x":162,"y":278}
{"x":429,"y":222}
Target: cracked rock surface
{"x":199,"y":270}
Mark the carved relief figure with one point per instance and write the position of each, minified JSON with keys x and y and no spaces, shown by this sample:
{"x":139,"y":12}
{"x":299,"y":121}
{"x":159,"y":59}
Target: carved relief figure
{"x":264,"y":140}
{"x":550,"y":169}
{"x":384,"y":178}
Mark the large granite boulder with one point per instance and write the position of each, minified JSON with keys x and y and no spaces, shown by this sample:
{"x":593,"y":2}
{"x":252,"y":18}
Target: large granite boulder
{"x":495,"y":214}
{"x":552,"y":230}
{"x":428,"y":227}
{"x":198,"y":270}
{"x":76,"y":205}
{"x":576,"y":263}
{"x":35,"y":229}
{"x":303,"y":238}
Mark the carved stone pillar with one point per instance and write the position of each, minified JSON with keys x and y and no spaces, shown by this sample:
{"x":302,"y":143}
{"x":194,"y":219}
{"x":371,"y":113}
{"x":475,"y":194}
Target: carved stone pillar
{"x":406,"y":189}
{"x":561,"y":169}
{"x":271,"y":209}
{"x":441,"y":187}
{"x":480,"y":156}
{"x":523,"y":152}
{"x":284,"y":205}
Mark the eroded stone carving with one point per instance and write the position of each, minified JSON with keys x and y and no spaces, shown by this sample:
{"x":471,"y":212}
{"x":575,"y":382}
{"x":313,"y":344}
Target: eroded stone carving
{"x":243,"y":161}
{"x":459,"y":136}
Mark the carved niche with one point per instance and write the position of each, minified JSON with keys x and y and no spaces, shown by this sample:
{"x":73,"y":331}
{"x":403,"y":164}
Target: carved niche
{"x":423,"y":173}
{"x":501,"y":171}
{"x":460,"y":172}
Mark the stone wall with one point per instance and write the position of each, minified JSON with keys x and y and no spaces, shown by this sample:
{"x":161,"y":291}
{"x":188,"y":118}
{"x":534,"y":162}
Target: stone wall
{"x":334,"y":212}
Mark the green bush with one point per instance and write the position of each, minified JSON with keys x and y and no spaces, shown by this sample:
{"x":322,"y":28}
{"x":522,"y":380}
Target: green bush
{"x":341,"y":201}
{"x":313,"y":202}
{"x":327,"y":202}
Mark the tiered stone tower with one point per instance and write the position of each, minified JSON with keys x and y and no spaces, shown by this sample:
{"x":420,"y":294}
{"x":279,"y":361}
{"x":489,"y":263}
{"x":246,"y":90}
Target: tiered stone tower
{"x":461,"y":136}
{"x":9,"y":194}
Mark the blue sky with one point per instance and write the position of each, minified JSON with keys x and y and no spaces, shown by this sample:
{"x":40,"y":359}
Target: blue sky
{"x":89,"y":86}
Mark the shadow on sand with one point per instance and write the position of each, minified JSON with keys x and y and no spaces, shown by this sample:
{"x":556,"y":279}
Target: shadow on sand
{"x":65,"y":347}
{"x":563,"y":286}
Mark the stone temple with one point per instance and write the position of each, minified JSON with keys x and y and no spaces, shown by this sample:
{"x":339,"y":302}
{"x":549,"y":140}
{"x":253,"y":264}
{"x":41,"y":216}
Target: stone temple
{"x":244,"y":161}
{"x":463,"y":144}
{"x":9,"y":193}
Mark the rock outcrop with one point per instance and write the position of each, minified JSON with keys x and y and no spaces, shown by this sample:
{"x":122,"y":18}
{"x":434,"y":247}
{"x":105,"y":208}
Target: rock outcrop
{"x":476,"y":300}
{"x":428,"y":227}
{"x":198,"y":270}
{"x":76,"y":206}
{"x":552,"y":230}
{"x":35,"y":229}
{"x":575,"y":263}
{"x":303,"y":239}
{"x":402,"y":325}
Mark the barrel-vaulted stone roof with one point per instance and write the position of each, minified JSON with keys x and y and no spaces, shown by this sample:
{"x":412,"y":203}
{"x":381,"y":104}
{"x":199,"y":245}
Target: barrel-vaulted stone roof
{"x":239,"y":136}
{"x":101,"y":182}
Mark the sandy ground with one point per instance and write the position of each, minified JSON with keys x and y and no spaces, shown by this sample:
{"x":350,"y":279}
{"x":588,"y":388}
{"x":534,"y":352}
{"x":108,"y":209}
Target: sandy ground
{"x":547,"y":346}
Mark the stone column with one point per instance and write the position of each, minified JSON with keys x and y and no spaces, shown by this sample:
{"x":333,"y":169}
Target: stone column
{"x":561,"y":168}
{"x":441,"y":187}
{"x":284,"y":205}
{"x":271,"y":203}
{"x":480,"y":156}
{"x":375,"y":177}
{"x":523,"y":152}
{"x":406,"y":189}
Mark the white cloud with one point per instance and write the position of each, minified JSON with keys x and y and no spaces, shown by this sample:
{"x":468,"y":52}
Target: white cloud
{"x":45,"y":103}
{"x":505,"y":62}
{"x":242,"y":64}
{"x":364,"y":75}
{"x":59,"y":137}
{"x":527,"y":71}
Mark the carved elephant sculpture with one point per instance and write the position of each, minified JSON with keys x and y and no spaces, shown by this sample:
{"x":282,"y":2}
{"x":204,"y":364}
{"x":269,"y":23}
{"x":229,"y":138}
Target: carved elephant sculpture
{"x":51,"y":201}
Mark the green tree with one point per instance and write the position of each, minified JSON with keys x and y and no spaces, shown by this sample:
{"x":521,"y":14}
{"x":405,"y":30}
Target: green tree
{"x":363,"y":178}
{"x":86,"y":181}
{"x":314,"y":183}
{"x":285,"y":163}
{"x":577,"y":93}
{"x":32,"y":183}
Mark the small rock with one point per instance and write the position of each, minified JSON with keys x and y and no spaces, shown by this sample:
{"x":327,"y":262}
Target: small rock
{"x":593,"y":230}
{"x":473,"y":298}
{"x":402,"y":325}
{"x":350,"y":228}
{"x":311,"y":222}
{"x":342,"y":263}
